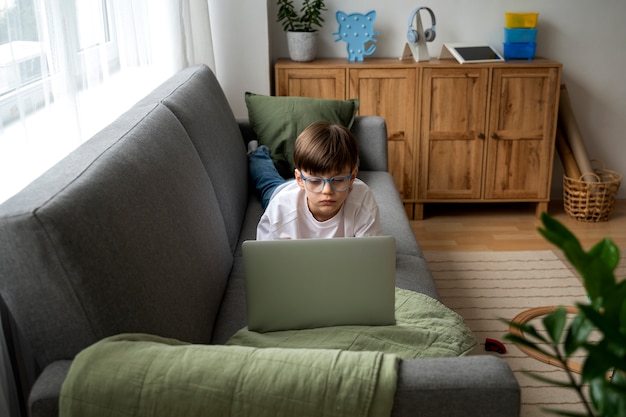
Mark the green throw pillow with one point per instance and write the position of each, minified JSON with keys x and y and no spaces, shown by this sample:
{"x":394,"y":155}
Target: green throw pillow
{"x":277,"y":122}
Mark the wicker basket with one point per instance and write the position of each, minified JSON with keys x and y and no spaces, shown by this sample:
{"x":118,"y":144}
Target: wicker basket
{"x":589,"y":201}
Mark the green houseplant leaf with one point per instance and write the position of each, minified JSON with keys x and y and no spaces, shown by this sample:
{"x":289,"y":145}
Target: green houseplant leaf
{"x":599,"y":328}
{"x":287,"y":15}
{"x":577,"y":334}
{"x":309,"y":18}
{"x":554,"y":323}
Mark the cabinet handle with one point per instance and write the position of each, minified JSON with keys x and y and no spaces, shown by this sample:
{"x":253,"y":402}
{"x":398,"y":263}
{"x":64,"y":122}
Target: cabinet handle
{"x":481,"y":135}
{"x":494,"y":135}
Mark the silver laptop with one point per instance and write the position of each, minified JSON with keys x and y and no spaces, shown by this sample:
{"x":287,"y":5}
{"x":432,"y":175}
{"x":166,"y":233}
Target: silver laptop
{"x":309,"y":283}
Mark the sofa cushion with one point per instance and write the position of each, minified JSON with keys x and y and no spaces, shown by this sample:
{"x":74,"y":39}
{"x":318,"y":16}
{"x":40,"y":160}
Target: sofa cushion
{"x":124,"y":235}
{"x":393,"y":218}
{"x":277,"y":122}
{"x":198,"y":101}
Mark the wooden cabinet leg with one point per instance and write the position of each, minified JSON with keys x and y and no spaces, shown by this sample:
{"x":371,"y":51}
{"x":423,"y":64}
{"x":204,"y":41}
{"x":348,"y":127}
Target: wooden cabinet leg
{"x":541,"y":207}
{"x":418,"y":211}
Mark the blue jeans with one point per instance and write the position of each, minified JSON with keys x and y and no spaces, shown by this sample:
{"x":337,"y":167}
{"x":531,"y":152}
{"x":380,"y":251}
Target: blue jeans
{"x":264,"y":174}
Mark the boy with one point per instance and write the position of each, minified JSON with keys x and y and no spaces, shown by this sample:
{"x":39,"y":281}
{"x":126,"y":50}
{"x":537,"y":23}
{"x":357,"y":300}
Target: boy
{"x":326,"y":199}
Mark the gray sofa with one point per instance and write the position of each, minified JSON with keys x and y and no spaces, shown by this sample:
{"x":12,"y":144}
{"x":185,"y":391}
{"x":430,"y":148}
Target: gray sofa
{"x":140,"y":230}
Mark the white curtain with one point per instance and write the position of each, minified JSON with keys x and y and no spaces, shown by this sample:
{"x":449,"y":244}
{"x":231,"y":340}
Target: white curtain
{"x":70,"y":67}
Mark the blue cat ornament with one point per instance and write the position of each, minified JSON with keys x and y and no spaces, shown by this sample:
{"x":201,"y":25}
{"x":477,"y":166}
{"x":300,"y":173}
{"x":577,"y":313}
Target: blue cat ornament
{"x":357,"y":30}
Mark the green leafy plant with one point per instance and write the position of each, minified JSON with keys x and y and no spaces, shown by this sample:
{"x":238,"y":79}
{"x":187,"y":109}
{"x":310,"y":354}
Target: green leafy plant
{"x":310,"y":15}
{"x":599,"y":327}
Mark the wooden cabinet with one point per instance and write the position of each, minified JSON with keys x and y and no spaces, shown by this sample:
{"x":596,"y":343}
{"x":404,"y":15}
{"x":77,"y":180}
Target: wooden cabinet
{"x":457,"y":133}
{"x":390,"y":93}
{"x":452,"y":139}
{"x":520,"y":136}
{"x":487,"y":133}
{"x":311,"y":82}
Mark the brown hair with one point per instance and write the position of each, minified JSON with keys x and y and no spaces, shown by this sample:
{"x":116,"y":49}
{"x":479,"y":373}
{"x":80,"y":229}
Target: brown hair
{"x":325,"y":147}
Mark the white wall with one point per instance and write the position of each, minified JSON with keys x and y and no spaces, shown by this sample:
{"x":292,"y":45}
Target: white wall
{"x":241,"y":48}
{"x":586,"y":37}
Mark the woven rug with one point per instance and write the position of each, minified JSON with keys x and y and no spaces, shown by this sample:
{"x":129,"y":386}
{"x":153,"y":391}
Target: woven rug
{"x":484,"y":287}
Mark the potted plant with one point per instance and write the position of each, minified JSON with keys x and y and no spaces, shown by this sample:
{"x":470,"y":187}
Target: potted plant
{"x":302,"y":35}
{"x":599,"y":327}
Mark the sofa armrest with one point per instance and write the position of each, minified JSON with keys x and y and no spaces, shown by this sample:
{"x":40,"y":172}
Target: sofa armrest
{"x":43,"y":400}
{"x":466,"y":386}
{"x":371,"y":132}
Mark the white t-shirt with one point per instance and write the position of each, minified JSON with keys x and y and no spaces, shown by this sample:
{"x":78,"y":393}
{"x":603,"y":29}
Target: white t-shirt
{"x":288,"y":217}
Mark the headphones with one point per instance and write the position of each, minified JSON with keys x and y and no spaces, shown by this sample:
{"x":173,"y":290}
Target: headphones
{"x":429,"y":34}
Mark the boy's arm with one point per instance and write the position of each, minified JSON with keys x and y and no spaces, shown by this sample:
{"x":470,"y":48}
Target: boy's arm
{"x":368,"y":218}
{"x":263,"y":229}
{"x":370,"y":228}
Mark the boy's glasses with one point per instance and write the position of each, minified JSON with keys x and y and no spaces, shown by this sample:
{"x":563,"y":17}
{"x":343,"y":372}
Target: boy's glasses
{"x":338,"y":183}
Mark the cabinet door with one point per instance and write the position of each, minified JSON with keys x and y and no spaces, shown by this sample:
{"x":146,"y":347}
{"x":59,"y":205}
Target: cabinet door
{"x":390,"y":93}
{"x":311,"y":82}
{"x":452,"y":138}
{"x":520,"y":139}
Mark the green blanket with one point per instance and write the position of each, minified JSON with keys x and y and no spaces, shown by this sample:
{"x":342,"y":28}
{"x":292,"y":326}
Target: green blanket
{"x":142,"y":375}
{"x":424,"y":328}
{"x":344,"y":371}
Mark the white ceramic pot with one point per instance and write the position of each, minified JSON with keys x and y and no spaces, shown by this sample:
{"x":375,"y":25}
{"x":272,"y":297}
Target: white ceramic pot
{"x":302,"y":45}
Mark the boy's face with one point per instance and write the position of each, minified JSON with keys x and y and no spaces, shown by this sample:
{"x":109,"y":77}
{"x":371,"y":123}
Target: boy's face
{"x":325,"y":204}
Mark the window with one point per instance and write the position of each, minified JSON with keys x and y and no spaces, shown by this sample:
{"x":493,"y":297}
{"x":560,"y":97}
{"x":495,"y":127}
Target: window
{"x":29,"y":56}
{"x":68,"y":68}
{"x":21,"y":60}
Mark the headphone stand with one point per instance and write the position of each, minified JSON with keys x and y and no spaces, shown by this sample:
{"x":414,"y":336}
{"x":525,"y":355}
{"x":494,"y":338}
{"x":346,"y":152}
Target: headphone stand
{"x":418,"y":50}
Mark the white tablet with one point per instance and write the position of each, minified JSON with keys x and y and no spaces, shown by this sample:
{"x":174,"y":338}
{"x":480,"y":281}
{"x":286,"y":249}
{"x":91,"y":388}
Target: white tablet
{"x":467,"y":53}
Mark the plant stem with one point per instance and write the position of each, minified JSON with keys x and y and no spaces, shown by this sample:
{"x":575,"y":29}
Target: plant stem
{"x":572,"y":380}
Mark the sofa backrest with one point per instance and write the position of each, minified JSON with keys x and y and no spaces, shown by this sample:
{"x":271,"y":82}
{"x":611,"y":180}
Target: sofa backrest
{"x":196,"y":98}
{"x":123,"y":235}
{"x":373,"y":152}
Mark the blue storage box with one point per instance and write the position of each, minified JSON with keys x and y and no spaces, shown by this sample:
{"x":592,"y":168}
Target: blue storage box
{"x":520,"y":35}
{"x":519,"y":50}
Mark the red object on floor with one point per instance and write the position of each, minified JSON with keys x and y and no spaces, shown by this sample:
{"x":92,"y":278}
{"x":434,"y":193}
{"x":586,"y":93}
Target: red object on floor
{"x":494,"y":345}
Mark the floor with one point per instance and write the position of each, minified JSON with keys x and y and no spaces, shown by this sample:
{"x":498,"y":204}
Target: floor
{"x":506,"y":227}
